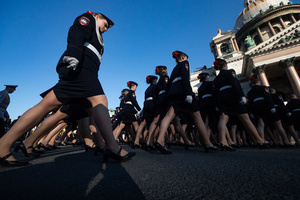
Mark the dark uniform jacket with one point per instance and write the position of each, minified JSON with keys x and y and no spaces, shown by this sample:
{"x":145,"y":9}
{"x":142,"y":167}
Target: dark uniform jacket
{"x":130,"y":103}
{"x":150,"y":100}
{"x":260,"y":99}
{"x":84,"y":30}
{"x":163,"y":85}
{"x":182,"y":86}
{"x":228,"y":78}
{"x":207,"y":94}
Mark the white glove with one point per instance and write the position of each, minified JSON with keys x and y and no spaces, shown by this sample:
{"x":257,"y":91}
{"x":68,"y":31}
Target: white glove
{"x":189,"y":99}
{"x":288,"y":114}
{"x":243,"y":100}
{"x":73,"y":62}
{"x":273,"y":110}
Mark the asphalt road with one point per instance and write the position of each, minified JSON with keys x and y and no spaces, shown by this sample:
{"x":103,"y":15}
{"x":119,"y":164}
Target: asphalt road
{"x":72,"y":173}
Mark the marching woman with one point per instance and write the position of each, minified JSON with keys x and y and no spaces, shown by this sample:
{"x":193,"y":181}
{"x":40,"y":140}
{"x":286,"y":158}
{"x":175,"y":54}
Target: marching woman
{"x":129,"y":110}
{"x":231,"y":100}
{"x":262,"y":106}
{"x":294,"y":107}
{"x":285,"y":115}
{"x":161,"y":103}
{"x":78,"y":78}
{"x":207,"y":103}
{"x":148,"y":109}
{"x":182,"y":100}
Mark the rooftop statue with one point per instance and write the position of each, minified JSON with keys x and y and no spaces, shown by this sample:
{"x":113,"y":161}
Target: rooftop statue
{"x":249,"y":42}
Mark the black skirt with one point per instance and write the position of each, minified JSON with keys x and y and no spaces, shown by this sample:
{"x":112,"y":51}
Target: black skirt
{"x":181,"y":106}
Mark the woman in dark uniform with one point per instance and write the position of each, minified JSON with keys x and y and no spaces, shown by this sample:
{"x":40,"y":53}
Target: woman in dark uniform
{"x":129,"y":110}
{"x":182,"y":100}
{"x":207,"y":103}
{"x":161,"y":103}
{"x":231,"y":100}
{"x":285,"y":115}
{"x":78,"y":78}
{"x":148,"y":109}
{"x":262,"y":106}
{"x":294,"y":107}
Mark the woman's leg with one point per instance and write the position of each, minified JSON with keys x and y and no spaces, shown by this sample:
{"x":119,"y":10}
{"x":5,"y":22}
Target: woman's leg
{"x":139,"y":133}
{"x":53,"y":132}
{"x":200,"y":126}
{"x":261,"y":128}
{"x":250,"y":127}
{"x":152,"y":129}
{"x":29,"y":119}
{"x":164,"y":126}
{"x":222,"y":128}
{"x":103,"y":123}
{"x":281,"y":131}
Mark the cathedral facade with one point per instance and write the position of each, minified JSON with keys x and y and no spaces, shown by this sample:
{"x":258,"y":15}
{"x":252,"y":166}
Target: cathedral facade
{"x":265,"y":41}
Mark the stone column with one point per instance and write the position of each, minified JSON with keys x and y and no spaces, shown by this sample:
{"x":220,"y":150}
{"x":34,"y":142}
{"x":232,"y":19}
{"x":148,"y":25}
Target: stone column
{"x":232,"y":45}
{"x":289,"y":68}
{"x":260,"y":35}
{"x":218,"y":50}
{"x":271,"y":28}
{"x":236,"y":44}
{"x":260,"y":72}
{"x":293,"y":18}
{"x":282,"y":23}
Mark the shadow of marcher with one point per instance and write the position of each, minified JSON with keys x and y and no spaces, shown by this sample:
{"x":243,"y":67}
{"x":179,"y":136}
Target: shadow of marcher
{"x":75,"y":175}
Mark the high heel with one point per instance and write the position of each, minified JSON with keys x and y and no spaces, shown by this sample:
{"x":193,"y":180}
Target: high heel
{"x":186,"y":146}
{"x":40,"y":145}
{"x":208,"y":148}
{"x":163,"y":150}
{"x":226,"y":148}
{"x":87,"y":147}
{"x":136,"y":146}
{"x":116,"y":156}
{"x":22,"y":147}
{"x":7,"y":163}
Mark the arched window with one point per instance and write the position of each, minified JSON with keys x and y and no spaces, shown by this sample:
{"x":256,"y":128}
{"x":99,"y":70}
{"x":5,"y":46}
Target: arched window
{"x":225,"y":48}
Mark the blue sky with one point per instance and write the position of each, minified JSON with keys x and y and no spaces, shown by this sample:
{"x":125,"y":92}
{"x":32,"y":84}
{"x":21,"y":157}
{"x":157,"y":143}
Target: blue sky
{"x":33,"y":37}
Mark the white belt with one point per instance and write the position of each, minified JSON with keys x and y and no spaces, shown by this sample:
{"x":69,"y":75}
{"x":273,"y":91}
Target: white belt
{"x":93,"y":49}
{"x":176,"y":79}
{"x":258,"y":99}
{"x":225,"y":87}
{"x":276,"y":105}
{"x":161,"y":92}
{"x":149,"y":98}
{"x":207,"y":95}
{"x":128,"y":102}
{"x":295,"y":110}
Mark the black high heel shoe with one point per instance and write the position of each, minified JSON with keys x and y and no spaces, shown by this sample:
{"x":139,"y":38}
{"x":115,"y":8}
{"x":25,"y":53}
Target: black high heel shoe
{"x":44,"y":147}
{"x":7,"y":163}
{"x":136,"y":146}
{"x":226,"y":148}
{"x":208,"y":148}
{"x":22,"y":147}
{"x":87,"y":147}
{"x":186,"y":146}
{"x":162,"y":149}
{"x":116,"y":156}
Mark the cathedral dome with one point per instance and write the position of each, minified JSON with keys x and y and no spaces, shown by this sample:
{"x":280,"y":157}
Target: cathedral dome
{"x":254,"y":8}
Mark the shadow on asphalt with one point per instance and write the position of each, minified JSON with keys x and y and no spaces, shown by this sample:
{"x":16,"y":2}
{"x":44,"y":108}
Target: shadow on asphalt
{"x":77,"y":175}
